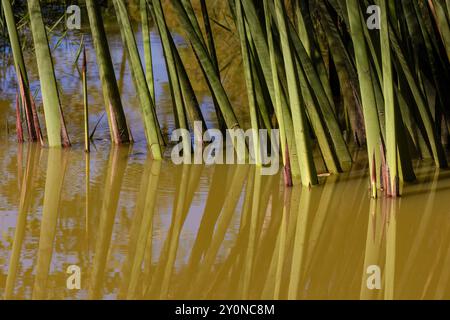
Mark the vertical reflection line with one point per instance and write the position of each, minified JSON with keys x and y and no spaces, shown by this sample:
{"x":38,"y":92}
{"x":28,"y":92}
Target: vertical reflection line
{"x":145,"y":232}
{"x":247,"y":277}
{"x":112,"y":187}
{"x":136,"y":222}
{"x":230,"y":270}
{"x":391,"y":238}
{"x":420,"y":234}
{"x":299,"y":241}
{"x":87,"y":189}
{"x":56,"y":165}
{"x":211,"y":212}
{"x":19,"y":164}
{"x":229,"y":209}
{"x":153,"y":289}
{"x":19,"y":234}
{"x":318,"y":223}
{"x":372,"y":250}
{"x":282,"y":245}
{"x":175,"y":234}
{"x":269,"y":225}
{"x":272,"y":287}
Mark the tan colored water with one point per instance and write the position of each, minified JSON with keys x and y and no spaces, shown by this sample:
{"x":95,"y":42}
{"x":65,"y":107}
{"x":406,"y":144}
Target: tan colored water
{"x":138,"y":229}
{"x":141,"y":229}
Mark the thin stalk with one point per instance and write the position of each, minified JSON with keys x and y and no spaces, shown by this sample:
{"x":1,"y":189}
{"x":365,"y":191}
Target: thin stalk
{"x":246,"y":59}
{"x":191,"y":103}
{"x":389,"y":103}
{"x":170,"y":64}
{"x":147,"y":48}
{"x":213,"y":54}
{"x":87,"y":144}
{"x":263,"y":100}
{"x":189,"y":10}
{"x":207,"y":65}
{"x":315,"y":119}
{"x":190,"y":100}
{"x":19,"y":128}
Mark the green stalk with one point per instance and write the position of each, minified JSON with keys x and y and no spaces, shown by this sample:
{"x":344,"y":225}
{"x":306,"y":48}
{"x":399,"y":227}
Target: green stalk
{"x":389,"y":102}
{"x":278,"y":102}
{"x":405,"y":168}
{"x":19,"y":128}
{"x":209,"y":33}
{"x":190,"y":100}
{"x":439,"y":76}
{"x":56,"y":128}
{"x":372,"y":124}
{"x":208,"y":67}
{"x":246,"y":60}
{"x":113,"y":105}
{"x":172,"y":70}
{"x":327,"y":108}
{"x":306,"y":31}
{"x":213,"y":54}
{"x":315,"y":119}
{"x":273,"y":80}
{"x":307,"y":166}
{"x":189,"y":10}
{"x":174,"y":67}
{"x":147,"y":48}
{"x":297,"y":7}
{"x":425,"y":113}
{"x":87,"y":144}
{"x":346,"y":72}
{"x":148,"y":108}
{"x":263,"y":100}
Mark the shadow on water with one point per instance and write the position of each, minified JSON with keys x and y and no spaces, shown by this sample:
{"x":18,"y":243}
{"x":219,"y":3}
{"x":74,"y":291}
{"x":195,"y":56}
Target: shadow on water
{"x":140,"y":229}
